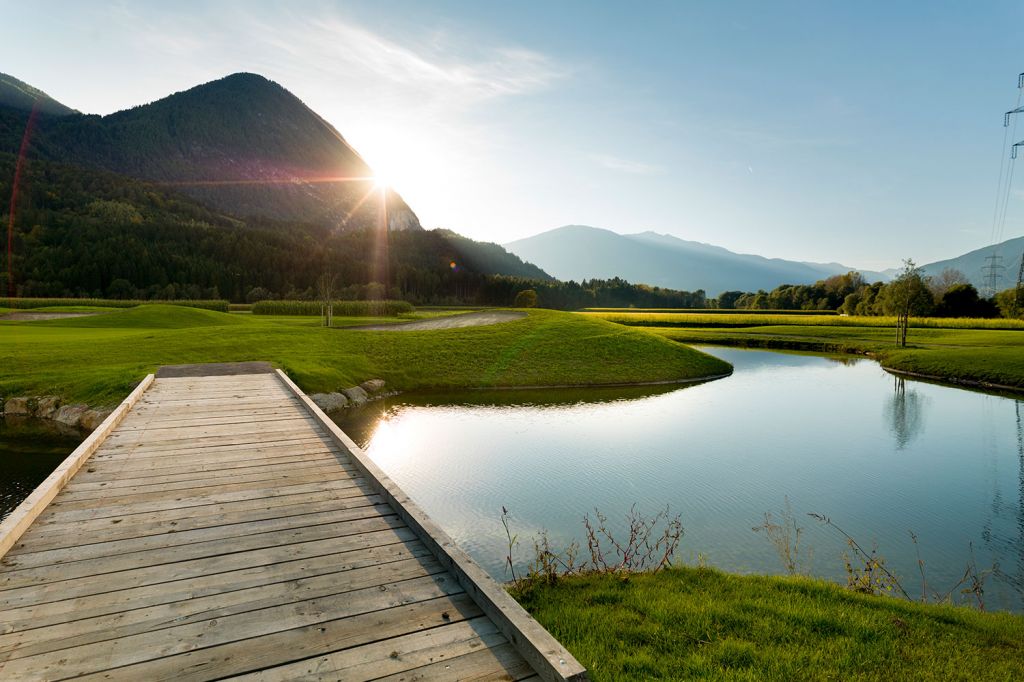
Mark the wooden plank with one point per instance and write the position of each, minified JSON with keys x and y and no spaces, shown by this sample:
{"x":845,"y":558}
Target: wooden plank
{"x":102,"y":489}
{"x":71,"y":610}
{"x":501,"y":662}
{"x":256,"y":496}
{"x":406,"y":575}
{"x":545,"y":654}
{"x":161,"y":644}
{"x":139,"y":525}
{"x":390,"y":656}
{"x":120,"y":475}
{"x":157,"y":426}
{"x":182,"y":438}
{"x":223,"y":453}
{"x":159,"y":574}
{"x":18,"y":521}
{"x":190,"y":434}
{"x":213,"y":492}
{"x":17,"y":577}
{"x":300,"y":642}
{"x":29,"y":556}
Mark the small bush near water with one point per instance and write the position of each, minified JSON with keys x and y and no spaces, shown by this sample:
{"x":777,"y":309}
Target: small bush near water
{"x":32,"y":303}
{"x":341,"y":308}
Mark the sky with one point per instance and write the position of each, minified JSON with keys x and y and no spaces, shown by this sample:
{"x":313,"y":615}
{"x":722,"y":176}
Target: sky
{"x":862,"y":132}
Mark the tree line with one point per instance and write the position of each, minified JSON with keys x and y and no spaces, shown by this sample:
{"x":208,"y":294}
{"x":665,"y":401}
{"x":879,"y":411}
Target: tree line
{"x":948,"y":294}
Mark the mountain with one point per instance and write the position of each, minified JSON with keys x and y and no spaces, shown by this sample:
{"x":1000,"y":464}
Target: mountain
{"x":230,"y":186}
{"x":23,"y":97}
{"x":242,"y":144}
{"x":580,"y":252}
{"x":973,"y":264}
{"x":81,"y":232}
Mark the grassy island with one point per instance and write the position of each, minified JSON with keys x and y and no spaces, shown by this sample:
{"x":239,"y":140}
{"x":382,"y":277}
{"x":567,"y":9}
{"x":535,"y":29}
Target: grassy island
{"x":98,"y":359}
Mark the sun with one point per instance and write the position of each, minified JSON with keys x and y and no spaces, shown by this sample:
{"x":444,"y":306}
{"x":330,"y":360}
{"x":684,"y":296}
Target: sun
{"x":380,"y":181}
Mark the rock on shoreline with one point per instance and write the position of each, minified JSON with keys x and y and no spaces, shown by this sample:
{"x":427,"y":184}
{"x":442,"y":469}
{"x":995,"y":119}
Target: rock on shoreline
{"x":354,"y":396}
{"x":51,"y":407}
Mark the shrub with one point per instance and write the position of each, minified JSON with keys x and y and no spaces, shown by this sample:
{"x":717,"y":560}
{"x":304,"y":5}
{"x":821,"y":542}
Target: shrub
{"x":527,"y":298}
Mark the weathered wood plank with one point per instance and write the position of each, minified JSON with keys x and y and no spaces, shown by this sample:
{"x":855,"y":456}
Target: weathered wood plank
{"x":209,"y":582}
{"x":112,"y":476}
{"x":500,"y":662}
{"x":255,"y":495}
{"x":15,"y":576}
{"x":215,"y":492}
{"x":54,"y":520}
{"x":107,"y":530}
{"x":390,"y":656}
{"x":28,"y":556}
{"x":129,"y":578}
{"x":193,"y":637}
{"x":105,"y":489}
{"x":301,"y":642}
{"x":365,"y":583}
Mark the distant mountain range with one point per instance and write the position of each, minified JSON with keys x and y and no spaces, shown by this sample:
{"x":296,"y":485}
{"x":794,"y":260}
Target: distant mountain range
{"x":580,"y":252}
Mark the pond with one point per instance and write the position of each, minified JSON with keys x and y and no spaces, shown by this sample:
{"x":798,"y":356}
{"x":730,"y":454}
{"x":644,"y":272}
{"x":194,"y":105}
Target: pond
{"x":30,"y":449}
{"x":878,"y":455}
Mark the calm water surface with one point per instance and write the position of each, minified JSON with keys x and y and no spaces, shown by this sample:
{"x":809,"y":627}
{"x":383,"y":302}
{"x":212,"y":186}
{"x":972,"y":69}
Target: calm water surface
{"x":840,"y":437}
{"x":30,"y":449}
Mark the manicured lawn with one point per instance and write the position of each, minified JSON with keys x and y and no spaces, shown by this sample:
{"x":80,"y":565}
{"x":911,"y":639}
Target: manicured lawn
{"x":97,"y":360}
{"x":700,"y":623}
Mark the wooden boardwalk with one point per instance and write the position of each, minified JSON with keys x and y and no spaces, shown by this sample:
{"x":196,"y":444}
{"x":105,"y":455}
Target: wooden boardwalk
{"x":222,"y":526}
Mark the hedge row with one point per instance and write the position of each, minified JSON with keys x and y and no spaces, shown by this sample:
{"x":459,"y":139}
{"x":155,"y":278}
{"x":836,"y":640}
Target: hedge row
{"x":341,"y":308}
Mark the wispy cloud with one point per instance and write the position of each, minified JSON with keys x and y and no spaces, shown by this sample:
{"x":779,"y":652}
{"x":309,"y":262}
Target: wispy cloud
{"x":616,"y":163}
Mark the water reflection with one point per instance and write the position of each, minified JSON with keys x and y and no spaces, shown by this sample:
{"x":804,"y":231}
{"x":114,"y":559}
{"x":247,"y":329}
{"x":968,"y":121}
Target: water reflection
{"x":905,"y":412}
{"x":824,"y":433}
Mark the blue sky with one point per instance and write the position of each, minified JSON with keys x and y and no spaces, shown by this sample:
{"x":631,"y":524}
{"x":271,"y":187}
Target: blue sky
{"x":856,"y":132}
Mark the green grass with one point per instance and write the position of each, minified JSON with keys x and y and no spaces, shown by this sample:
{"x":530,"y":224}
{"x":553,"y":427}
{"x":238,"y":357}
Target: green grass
{"x":97,"y":360}
{"x":700,"y":623}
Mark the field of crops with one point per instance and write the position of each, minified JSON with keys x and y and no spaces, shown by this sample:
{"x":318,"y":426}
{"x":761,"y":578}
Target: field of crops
{"x":710,"y":311}
{"x":33,"y":303}
{"x":713,"y":320}
{"x":341,"y":308}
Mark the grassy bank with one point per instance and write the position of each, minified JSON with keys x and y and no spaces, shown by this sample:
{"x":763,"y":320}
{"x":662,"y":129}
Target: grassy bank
{"x":699,"y":623}
{"x":97,"y":360}
{"x":982,"y":352}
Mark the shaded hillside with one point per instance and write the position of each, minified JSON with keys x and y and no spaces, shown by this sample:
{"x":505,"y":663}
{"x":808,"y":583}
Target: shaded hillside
{"x":241,"y":144}
{"x":579,"y":252}
{"x":22,"y":96}
{"x":492,"y":258}
{"x":95,"y":233}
